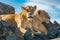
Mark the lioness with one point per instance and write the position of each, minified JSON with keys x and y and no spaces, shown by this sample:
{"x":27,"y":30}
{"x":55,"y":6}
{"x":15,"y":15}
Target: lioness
{"x":27,"y":17}
{"x":16,"y":19}
{"x":41,"y":16}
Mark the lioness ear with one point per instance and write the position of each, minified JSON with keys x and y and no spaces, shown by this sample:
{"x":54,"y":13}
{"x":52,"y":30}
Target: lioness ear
{"x":39,"y":12}
{"x":35,"y":7}
{"x":23,"y":8}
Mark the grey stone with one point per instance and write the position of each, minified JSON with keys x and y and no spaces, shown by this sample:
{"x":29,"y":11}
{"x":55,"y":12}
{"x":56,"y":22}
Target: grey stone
{"x":11,"y":36}
{"x":6,"y":9}
{"x":8,"y":32}
{"x":52,"y":30}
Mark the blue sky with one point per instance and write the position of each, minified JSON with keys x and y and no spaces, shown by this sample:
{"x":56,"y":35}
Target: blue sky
{"x":51,"y":6}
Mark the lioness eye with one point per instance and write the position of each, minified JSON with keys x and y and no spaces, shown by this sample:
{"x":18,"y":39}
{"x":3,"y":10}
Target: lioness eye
{"x":28,"y":10}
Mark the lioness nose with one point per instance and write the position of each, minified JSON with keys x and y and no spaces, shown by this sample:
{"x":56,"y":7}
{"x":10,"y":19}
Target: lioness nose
{"x":30,"y":13}
{"x":49,"y":17}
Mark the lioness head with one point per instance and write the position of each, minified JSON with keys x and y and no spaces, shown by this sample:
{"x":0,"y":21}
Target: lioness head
{"x":44,"y":17}
{"x":29,"y":11}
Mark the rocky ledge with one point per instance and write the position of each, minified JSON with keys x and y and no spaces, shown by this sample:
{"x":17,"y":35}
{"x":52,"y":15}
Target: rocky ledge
{"x":10,"y":32}
{"x":6,"y":9}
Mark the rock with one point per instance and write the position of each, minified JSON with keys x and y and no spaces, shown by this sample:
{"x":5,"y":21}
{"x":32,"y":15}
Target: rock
{"x":58,"y":33}
{"x":57,"y":24}
{"x":9,"y":32}
{"x":52,"y":30}
{"x":6,"y":9}
{"x":28,"y":36}
{"x":55,"y":39}
{"x":36,"y":38}
{"x":53,"y":33}
{"x":41,"y":37}
{"x":11,"y":36}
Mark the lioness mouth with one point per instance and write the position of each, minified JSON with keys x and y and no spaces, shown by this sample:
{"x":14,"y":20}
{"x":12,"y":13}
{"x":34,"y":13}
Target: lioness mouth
{"x":30,"y":18}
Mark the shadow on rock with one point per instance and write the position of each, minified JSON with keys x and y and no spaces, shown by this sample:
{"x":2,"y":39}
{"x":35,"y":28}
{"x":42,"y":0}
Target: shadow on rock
{"x":52,"y":30}
{"x":9,"y":32}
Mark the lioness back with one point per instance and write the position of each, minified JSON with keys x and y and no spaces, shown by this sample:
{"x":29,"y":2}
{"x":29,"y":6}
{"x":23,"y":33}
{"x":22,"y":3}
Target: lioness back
{"x":10,"y":18}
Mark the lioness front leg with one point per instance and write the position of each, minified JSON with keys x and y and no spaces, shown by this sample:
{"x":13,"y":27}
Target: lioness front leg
{"x":43,"y":29}
{"x":22,"y":29}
